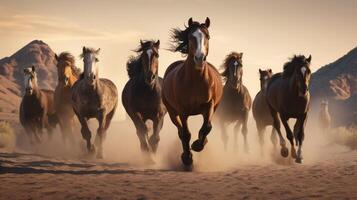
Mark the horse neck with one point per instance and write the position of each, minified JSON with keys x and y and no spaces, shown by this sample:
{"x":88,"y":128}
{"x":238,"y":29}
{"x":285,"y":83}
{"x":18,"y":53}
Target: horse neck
{"x":293,"y":89}
{"x":190,"y":72}
{"x":72,"y":79}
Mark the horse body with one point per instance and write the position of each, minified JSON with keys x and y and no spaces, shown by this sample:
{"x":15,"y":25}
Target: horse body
{"x":94,"y":97}
{"x":192,"y":87}
{"x":37,"y":110}
{"x":261,"y":111}
{"x":288,"y":97}
{"x":141,"y":96}
{"x":67,"y":76}
{"x":236,"y":101}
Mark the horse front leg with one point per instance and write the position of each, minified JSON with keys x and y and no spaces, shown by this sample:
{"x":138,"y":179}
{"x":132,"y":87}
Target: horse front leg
{"x":142,"y":133}
{"x":300,"y":135}
{"x":224,"y":134}
{"x":199,"y":144}
{"x":276,"y":123}
{"x":101,"y":133}
{"x":261,"y":131}
{"x":245,"y":131}
{"x":155,"y":137}
{"x":289,"y":135}
{"x":86,"y":134}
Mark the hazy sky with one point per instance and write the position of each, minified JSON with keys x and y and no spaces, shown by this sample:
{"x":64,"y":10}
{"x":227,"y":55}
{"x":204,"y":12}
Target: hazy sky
{"x":268,"y":32}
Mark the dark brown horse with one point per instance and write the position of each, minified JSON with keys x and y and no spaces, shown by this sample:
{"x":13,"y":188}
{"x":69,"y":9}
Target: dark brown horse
{"x":236,"y":101}
{"x":261,"y":112}
{"x":37,"y":110}
{"x":192,"y":86}
{"x":94,"y":97}
{"x":288,"y":97}
{"x":68,"y":74}
{"x":141,"y":95}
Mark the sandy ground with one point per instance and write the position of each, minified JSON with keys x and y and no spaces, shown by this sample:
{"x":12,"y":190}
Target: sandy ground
{"x":54,"y":170}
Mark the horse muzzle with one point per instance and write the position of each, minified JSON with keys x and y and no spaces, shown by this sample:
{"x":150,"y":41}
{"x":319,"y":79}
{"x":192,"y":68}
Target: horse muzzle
{"x":29,"y":91}
{"x":199,"y":60}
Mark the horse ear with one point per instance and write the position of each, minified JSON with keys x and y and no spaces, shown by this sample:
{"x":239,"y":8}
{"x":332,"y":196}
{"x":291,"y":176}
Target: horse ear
{"x":260,"y":71}
{"x":157,"y":44}
{"x":56,"y":57}
{"x":33,"y":68}
{"x":207,"y":22}
{"x":190,"y":22}
{"x":141,"y":43}
{"x":84,"y":50}
{"x":309,"y":59}
{"x":270,"y":71}
{"x":240,"y":55}
{"x":97,"y":51}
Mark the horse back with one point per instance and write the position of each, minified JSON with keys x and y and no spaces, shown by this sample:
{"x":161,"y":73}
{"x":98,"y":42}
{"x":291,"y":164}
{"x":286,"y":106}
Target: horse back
{"x":173,"y":66}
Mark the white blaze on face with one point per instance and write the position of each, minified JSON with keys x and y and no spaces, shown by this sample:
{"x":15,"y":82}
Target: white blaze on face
{"x":303,"y":71}
{"x":90,"y":64}
{"x":149,"y":53}
{"x":200,"y":42}
{"x":28,"y":82}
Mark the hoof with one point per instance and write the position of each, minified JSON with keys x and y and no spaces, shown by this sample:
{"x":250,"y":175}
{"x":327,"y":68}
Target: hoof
{"x":299,"y":160}
{"x":187,"y":168}
{"x":198,"y":145}
{"x":186,"y":159}
{"x":284,"y":152}
{"x":293,"y":153}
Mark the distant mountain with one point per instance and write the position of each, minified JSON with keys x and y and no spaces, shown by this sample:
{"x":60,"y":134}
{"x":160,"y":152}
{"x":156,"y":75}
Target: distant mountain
{"x":337,"y":82}
{"x":35,"y":53}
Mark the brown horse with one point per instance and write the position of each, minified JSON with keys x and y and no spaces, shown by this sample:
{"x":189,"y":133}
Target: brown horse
{"x":68,"y":74}
{"x":288,"y":97}
{"x":236,"y":101}
{"x":192,"y":86}
{"x":94,"y":97}
{"x":37,"y":108}
{"x":261,"y":112}
{"x":141,"y":95}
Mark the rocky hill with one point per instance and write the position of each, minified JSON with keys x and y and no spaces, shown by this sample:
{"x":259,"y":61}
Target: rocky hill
{"x":35,"y":53}
{"x":337,"y":82}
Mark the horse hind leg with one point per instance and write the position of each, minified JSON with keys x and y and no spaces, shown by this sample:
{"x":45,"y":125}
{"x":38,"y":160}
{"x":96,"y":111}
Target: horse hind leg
{"x":104,"y":123}
{"x":273,"y":138}
{"x":301,"y":122}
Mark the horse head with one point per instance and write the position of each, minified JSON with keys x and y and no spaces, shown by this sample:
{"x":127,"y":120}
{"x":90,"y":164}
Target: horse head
{"x":264,"y":76}
{"x":303,"y":75}
{"x":65,"y":65}
{"x":90,"y":61}
{"x":150,"y":60}
{"x":30,"y":80}
{"x":233,"y":69}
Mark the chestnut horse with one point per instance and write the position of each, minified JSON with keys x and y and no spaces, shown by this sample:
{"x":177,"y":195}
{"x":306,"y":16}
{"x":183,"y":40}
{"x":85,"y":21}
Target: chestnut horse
{"x":94,"y":97}
{"x":261,"y":112}
{"x":37,"y":110}
{"x":288,"y":97}
{"x":236,"y":101}
{"x":192,"y":86}
{"x":68,"y":74}
{"x":141,"y":95}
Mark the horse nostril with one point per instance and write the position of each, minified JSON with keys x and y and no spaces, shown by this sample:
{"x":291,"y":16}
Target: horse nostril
{"x":153,"y":77}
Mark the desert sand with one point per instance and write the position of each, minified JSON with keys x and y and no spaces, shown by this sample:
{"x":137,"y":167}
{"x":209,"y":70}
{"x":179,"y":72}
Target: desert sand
{"x":54,"y":170}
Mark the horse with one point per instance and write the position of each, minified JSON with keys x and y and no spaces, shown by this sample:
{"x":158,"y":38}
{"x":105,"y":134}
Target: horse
{"x":37,"y":111}
{"x":236,"y":101}
{"x":141,"y":96}
{"x":324,"y":116}
{"x":68,"y":74}
{"x":261,"y":112}
{"x":288,"y":97}
{"x":192,"y":86}
{"x":94,"y":97}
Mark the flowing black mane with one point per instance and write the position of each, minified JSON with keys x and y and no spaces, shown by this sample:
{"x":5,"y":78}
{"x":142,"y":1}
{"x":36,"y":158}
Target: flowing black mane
{"x":226,"y":62}
{"x":134,"y":65}
{"x":289,"y":67}
{"x":179,"y":38}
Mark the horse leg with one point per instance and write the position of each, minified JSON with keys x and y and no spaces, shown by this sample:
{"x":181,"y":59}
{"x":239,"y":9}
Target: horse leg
{"x":289,"y":135}
{"x":245,"y":132}
{"x":101,"y":133}
{"x":273,"y":137}
{"x":185,"y":137}
{"x":301,"y":122}
{"x":141,"y":131}
{"x":224,"y":134}
{"x":261,"y":131}
{"x":276,"y":123}
{"x":86,"y":134}
{"x":155,"y":137}
{"x":199,"y":144}
{"x":236,"y":130}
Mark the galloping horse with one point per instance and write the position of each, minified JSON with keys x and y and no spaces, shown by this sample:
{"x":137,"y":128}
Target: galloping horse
{"x":94,"y":97}
{"x":261,"y":112}
{"x":37,"y":108}
{"x":192,"y":86}
{"x":324,"y":116}
{"x":236,"y":101}
{"x":68,"y":74}
{"x":288,"y":97}
{"x":141,"y":95}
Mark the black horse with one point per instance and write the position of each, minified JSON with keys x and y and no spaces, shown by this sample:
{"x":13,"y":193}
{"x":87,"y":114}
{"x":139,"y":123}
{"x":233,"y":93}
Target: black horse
{"x":141,"y":95}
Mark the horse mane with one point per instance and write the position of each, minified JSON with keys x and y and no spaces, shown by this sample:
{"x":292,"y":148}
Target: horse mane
{"x":133,"y":65}
{"x":68,"y":57}
{"x":179,"y":37}
{"x":226,"y":61}
{"x":290,"y":66}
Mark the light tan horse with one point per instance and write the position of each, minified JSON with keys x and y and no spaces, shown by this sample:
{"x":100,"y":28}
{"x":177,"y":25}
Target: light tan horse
{"x":67,"y":76}
{"x":324,"y":116}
